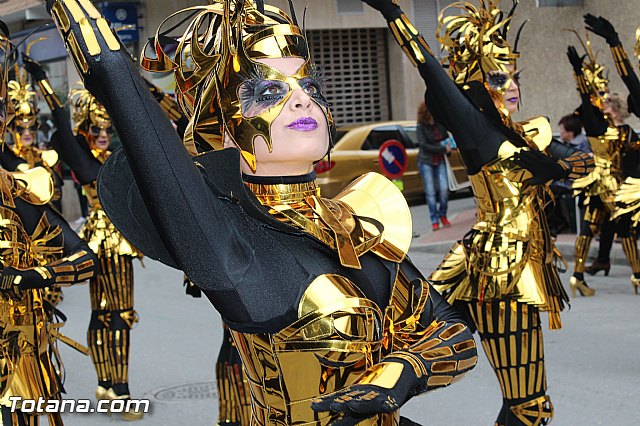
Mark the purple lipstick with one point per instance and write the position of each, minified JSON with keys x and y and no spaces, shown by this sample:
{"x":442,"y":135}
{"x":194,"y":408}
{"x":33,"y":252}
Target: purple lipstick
{"x":304,"y":124}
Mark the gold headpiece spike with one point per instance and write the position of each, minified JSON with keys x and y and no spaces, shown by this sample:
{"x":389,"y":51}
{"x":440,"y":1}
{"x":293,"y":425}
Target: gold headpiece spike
{"x":32,"y":43}
{"x":637,"y":46}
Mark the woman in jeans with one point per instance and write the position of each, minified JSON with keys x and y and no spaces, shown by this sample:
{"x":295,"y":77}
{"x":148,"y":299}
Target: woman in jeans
{"x":432,"y":165}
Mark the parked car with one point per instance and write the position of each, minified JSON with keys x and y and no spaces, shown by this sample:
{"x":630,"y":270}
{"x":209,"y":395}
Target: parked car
{"x":357,"y":151}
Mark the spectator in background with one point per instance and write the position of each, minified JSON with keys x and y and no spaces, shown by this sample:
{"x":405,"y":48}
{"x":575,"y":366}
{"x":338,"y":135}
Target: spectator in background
{"x":432,"y":165}
{"x":560,"y":214}
{"x":571,"y":133}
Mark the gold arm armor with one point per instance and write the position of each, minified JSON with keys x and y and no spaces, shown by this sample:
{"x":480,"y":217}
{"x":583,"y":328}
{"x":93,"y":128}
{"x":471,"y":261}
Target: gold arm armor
{"x":84,"y":14}
{"x":621,"y":60}
{"x":49,"y":95}
{"x":410,"y":40}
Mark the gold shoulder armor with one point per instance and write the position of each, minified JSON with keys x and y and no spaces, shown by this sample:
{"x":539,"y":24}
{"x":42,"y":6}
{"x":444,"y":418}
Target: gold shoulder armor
{"x":49,"y":157}
{"x":37,"y":185}
{"x":538,"y":129}
{"x":374,"y":196}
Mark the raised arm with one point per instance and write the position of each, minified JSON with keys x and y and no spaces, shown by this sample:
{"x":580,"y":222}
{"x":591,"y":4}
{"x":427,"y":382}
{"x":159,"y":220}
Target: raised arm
{"x":199,"y":229}
{"x":83,"y":164}
{"x":604,"y":28}
{"x":591,"y":117}
{"x":477,"y":138}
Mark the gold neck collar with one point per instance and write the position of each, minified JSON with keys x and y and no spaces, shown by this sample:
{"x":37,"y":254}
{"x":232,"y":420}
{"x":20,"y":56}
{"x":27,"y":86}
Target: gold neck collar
{"x":284,"y":193}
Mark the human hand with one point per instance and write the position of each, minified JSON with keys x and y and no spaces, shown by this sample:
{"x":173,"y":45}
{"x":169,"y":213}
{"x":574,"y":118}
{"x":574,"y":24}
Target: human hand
{"x":357,"y":403}
{"x":24,"y":279}
{"x":575,"y":59}
{"x":600,"y":26}
{"x":543,"y":167}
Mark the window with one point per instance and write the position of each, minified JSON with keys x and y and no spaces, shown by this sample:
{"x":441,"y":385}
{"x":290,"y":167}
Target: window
{"x":354,"y":61}
{"x":380,"y":135}
{"x":411,"y":133}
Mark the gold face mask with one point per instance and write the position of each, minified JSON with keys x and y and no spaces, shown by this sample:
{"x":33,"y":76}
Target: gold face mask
{"x":23,"y":101}
{"x":89,"y":115}
{"x":221,"y":85}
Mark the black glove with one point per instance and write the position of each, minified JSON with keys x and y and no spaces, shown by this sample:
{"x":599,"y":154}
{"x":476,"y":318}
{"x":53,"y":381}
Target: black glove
{"x":389,"y":8}
{"x":359,"y":402}
{"x":603,"y":28}
{"x":12,"y":279}
{"x":543,"y":167}
{"x":34,"y":68}
{"x":575,"y":59}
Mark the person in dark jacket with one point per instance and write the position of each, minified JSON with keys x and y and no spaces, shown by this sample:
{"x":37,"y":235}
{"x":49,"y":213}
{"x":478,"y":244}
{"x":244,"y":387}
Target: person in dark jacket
{"x":432,"y":165}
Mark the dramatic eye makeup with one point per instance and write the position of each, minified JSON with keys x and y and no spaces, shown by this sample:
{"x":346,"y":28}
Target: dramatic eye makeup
{"x":499,"y":79}
{"x":95,"y":130}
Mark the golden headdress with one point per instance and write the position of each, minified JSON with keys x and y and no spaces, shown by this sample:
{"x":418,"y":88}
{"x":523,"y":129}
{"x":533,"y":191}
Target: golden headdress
{"x":475,"y":39}
{"x":87,"y":112}
{"x":636,"y":48}
{"x":216,"y":63}
{"x":24,"y":101}
{"x":594,"y":73}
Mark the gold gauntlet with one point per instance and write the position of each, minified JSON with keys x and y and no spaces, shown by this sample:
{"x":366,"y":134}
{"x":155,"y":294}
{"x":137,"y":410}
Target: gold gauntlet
{"x":621,"y":59}
{"x":78,"y":267}
{"x":49,"y":95}
{"x":409,"y":39}
{"x":579,"y":164}
{"x":66,"y":13}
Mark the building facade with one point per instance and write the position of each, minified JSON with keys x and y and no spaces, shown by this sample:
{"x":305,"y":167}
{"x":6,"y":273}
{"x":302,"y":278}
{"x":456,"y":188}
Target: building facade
{"x":369,"y":77}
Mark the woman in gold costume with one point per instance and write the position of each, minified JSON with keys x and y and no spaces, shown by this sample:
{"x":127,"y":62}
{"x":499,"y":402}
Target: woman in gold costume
{"x":627,"y":195}
{"x":503,"y":273}
{"x":24,"y":133}
{"x":38,"y":250}
{"x":305,"y":284}
{"x":611,"y":141}
{"x":111,"y":292}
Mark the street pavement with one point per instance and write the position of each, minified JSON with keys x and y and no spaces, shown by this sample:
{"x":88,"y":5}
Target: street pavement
{"x":593,"y":363}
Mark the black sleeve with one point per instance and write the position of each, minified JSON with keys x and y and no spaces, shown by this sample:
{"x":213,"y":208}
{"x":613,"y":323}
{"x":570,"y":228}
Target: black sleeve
{"x":84,"y":165}
{"x":477,"y":137}
{"x":591,"y":117}
{"x":9,"y":160}
{"x":204,"y":234}
{"x":629,"y":77}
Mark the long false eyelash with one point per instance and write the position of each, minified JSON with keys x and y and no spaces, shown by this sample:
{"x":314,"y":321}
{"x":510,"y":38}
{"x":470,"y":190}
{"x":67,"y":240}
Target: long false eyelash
{"x":319,"y":74}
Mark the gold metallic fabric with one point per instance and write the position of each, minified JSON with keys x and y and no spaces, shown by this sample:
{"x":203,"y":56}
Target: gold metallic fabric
{"x":211,"y":66}
{"x":627,"y":200}
{"x":475,"y":38}
{"x":630,"y":248}
{"x":537,"y":412}
{"x":508,"y":254}
{"x":100,"y":233}
{"x":234,"y":395}
{"x":583,"y":242}
{"x":27,"y":347}
{"x":369,"y":214}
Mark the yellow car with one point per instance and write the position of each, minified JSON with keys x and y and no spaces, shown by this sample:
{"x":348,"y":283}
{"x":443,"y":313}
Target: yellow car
{"x":357,"y":152}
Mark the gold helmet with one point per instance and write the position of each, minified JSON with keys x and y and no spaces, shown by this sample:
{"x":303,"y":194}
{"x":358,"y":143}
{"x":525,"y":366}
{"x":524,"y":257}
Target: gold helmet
{"x":475,"y":39}
{"x":594,"y":74}
{"x":89,"y":116}
{"x":24,"y":102}
{"x":221,"y":85}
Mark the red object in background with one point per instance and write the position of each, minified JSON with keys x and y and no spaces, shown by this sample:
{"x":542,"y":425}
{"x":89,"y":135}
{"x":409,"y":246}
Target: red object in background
{"x":324,"y":166}
{"x":393,"y":159}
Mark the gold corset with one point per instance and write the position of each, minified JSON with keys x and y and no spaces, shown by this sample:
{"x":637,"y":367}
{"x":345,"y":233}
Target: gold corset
{"x":339,"y":333}
{"x":509,"y":253}
{"x":337,"y":336}
{"x":605,"y":179}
